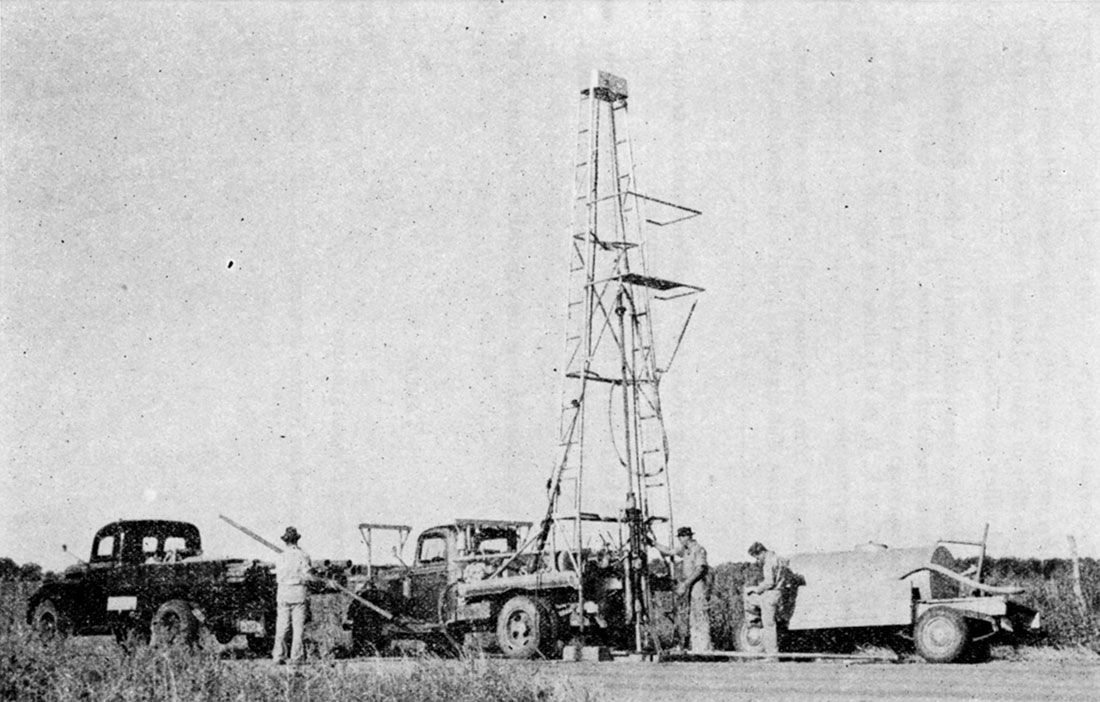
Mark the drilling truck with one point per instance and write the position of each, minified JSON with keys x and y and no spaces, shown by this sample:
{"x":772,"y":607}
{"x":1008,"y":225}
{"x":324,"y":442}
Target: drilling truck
{"x":580,"y":576}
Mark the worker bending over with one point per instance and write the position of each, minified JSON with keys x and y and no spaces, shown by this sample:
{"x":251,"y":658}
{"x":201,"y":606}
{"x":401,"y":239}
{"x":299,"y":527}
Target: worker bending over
{"x":764,"y":600}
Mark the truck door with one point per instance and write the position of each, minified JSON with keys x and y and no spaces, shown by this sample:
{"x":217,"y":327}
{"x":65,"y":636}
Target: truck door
{"x":135,"y":590}
{"x":429,"y":573}
{"x":98,"y":580}
{"x":126,"y":592}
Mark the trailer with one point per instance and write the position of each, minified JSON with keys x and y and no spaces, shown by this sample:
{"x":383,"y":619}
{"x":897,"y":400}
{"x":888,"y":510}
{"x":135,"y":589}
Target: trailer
{"x":919,"y":594}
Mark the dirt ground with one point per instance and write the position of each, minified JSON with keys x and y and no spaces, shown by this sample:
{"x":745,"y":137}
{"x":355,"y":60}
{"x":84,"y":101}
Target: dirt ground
{"x":834,"y":681}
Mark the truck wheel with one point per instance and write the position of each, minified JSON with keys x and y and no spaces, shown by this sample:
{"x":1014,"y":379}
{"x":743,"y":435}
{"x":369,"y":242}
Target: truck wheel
{"x":174,"y":624}
{"x":527,"y":627}
{"x":941,"y":635}
{"x":750,"y":637}
{"x":50,"y":622}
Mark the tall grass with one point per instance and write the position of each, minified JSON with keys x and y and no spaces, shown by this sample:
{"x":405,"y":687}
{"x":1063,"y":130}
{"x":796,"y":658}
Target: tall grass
{"x":1049,"y":590}
{"x":97,"y":669}
{"x":31,"y":670}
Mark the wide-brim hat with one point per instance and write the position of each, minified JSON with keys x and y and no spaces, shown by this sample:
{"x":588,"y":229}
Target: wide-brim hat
{"x":685,"y":531}
{"x":291,"y":535}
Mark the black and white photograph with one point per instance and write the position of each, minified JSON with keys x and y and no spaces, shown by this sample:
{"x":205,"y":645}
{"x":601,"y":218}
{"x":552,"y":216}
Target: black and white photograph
{"x":558,"y":351}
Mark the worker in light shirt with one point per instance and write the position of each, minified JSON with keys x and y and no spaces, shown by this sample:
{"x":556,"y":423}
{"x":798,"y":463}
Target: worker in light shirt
{"x":763,"y":601}
{"x":695,"y":585}
{"x":292,"y":574}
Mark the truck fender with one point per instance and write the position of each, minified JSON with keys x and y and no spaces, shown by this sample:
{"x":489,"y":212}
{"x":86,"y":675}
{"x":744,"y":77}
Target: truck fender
{"x":59,"y":593}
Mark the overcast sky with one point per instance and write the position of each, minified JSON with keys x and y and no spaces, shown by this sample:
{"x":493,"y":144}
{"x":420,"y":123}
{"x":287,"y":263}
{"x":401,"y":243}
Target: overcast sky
{"x":305,"y":264}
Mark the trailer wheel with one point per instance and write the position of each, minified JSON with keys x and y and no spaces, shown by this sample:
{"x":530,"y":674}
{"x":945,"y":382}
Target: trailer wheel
{"x":941,"y":635}
{"x":750,"y":637}
{"x":174,"y":624}
{"x":50,"y":622}
{"x":527,"y":627}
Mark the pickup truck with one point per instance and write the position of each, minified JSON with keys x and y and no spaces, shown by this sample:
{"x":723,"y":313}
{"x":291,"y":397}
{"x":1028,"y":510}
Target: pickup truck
{"x":148,"y":579}
{"x":469,"y":585}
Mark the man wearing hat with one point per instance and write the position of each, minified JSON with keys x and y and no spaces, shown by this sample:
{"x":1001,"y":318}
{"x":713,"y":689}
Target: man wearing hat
{"x":763,"y":600}
{"x":292,"y":573}
{"x":695,"y":584}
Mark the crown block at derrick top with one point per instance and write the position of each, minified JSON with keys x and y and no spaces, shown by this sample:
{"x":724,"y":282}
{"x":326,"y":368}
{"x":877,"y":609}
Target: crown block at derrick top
{"x":609,"y":84}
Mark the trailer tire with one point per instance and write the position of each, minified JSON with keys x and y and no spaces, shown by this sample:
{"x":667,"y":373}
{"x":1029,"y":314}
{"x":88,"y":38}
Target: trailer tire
{"x":174,"y":624}
{"x":50,"y":622}
{"x":941,"y":635}
{"x":750,"y":637}
{"x":527,"y":627}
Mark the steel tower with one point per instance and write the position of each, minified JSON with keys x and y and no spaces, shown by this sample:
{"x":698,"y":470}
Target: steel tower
{"x":611,"y":436}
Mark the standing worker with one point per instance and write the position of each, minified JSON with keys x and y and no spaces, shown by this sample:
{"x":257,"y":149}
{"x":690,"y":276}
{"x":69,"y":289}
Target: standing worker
{"x":763,"y":600}
{"x":292,"y":573}
{"x":695,"y":585}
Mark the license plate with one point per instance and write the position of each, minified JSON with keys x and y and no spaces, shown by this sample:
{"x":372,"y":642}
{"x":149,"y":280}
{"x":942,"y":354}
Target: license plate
{"x":248,"y":626}
{"x":121,"y":604}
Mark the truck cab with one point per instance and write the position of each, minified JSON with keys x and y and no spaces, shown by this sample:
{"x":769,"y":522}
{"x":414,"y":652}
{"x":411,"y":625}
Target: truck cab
{"x":145,"y":542}
{"x":422,"y":593}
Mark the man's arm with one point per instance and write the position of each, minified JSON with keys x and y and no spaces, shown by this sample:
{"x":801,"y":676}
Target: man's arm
{"x":694,"y":576}
{"x":671,"y":551}
{"x":665,"y":550}
{"x":768,"y":582}
{"x":698,"y":558}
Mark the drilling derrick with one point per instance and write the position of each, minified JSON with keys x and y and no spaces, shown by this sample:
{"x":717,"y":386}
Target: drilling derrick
{"x":612,"y":470}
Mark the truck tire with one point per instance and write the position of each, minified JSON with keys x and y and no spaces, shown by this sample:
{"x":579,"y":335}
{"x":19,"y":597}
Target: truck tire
{"x":50,"y":622}
{"x":174,"y":624}
{"x":941,"y":635}
{"x":750,"y":637}
{"x":527,"y":627}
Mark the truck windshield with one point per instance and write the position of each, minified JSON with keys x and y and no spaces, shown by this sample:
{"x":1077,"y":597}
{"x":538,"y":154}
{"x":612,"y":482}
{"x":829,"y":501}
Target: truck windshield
{"x":433,"y":548}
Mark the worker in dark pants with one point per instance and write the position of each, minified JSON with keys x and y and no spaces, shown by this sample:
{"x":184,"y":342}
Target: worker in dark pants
{"x":695,"y":584}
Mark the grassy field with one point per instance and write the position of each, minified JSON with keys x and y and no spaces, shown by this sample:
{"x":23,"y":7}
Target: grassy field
{"x":97,"y":669}
{"x":71,"y":671}
{"x":75,"y":670}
